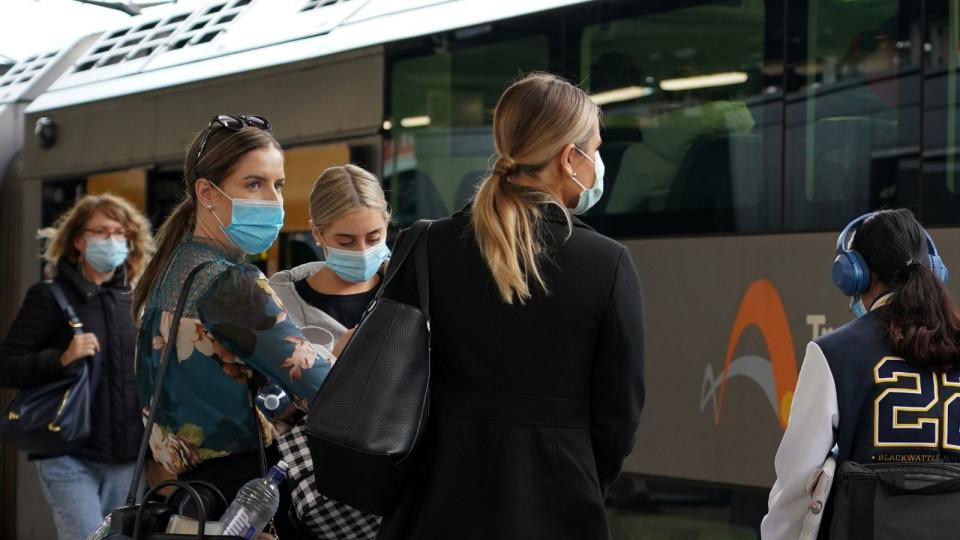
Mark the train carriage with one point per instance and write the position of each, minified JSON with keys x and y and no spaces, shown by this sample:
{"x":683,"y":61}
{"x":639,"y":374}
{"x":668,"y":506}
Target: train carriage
{"x":739,"y":137}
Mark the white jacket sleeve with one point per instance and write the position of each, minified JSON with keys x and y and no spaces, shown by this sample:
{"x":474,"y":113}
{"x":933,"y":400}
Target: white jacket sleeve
{"x":814,"y":414}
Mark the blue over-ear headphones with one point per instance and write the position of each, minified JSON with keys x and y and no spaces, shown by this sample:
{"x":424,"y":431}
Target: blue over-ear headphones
{"x":850,"y":271}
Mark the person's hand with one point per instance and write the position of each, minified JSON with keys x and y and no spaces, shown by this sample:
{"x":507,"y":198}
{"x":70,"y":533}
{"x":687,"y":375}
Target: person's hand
{"x":342,"y":343}
{"x":81,"y":346}
{"x":265,"y":536}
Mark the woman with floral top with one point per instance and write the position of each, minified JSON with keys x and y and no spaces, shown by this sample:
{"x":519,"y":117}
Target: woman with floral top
{"x":233,"y":324}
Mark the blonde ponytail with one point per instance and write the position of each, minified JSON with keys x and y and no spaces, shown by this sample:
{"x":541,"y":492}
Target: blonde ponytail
{"x":534,"y":119}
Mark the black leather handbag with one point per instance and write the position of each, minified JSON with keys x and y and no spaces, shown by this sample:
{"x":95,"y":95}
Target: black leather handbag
{"x":53,"y":418}
{"x":893,"y":501}
{"x":370,"y":411}
{"x":152,"y":516}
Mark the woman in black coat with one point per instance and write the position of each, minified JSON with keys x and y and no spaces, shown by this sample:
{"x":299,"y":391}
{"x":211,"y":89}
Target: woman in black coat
{"x":95,"y":250}
{"x":537,"y":340}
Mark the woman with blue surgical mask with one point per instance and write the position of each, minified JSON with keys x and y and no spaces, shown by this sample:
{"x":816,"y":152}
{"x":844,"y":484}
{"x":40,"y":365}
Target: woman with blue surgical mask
{"x":234,"y":327}
{"x":94,"y":253}
{"x":349,"y":216}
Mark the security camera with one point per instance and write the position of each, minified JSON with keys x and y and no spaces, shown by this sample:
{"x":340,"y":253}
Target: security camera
{"x":46,"y":132}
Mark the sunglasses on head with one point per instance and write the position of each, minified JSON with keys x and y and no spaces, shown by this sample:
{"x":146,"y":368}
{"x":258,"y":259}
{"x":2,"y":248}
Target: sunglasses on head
{"x":233,"y":122}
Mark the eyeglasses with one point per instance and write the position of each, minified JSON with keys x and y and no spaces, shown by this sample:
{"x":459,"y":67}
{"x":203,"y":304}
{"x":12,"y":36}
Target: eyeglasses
{"x":104,"y":233}
{"x":233,"y":123}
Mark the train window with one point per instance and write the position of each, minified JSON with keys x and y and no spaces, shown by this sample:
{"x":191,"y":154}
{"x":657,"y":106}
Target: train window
{"x":440,"y":135}
{"x":941,"y":182}
{"x":148,"y":26}
{"x":691,"y":127}
{"x":58,"y":196}
{"x":853,"y":113}
{"x":86,"y":66}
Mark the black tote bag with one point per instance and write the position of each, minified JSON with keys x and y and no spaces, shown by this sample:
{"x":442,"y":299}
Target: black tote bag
{"x":53,"y":418}
{"x":895,"y":501}
{"x":371,"y":409}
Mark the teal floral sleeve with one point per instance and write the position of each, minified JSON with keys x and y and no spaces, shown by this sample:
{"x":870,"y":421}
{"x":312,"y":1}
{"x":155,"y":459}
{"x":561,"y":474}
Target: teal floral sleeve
{"x":244,"y":314}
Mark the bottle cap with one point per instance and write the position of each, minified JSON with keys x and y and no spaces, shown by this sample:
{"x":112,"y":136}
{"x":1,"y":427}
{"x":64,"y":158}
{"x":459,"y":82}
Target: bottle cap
{"x":278,"y":473}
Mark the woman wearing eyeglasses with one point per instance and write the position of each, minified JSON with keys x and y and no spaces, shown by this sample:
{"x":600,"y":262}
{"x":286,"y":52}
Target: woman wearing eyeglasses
{"x":94,"y":253}
{"x":233,"y":325}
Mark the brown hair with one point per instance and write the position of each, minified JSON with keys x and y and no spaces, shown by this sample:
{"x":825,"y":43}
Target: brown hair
{"x":342,"y":190}
{"x":224,"y":148}
{"x":535,"y":118}
{"x":61,"y":237}
{"x":920,"y":318}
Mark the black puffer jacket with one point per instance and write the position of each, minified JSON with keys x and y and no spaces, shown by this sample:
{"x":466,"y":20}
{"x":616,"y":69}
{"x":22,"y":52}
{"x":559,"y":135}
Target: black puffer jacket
{"x":30,"y":355}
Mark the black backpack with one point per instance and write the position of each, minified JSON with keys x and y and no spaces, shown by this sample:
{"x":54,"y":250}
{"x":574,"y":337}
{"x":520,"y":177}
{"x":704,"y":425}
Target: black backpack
{"x":895,"y":501}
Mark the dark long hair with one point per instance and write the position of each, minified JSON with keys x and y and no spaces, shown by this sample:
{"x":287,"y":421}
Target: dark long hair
{"x":920,"y":318}
{"x":223,"y":150}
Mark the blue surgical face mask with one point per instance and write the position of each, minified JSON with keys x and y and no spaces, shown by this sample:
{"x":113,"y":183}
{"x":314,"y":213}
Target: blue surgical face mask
{"x":857,"y":307}
{"x":106,"y":254}
{"x":254,"y":225}
{"x":357,"y":266}
{"x":590,"y":196}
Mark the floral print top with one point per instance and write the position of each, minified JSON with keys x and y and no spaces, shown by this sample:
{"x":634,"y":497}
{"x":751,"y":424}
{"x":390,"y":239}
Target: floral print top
{"x":232,"y":324}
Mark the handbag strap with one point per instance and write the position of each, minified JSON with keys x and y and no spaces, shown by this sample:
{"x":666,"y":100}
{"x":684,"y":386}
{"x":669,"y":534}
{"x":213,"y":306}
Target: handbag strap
{"x":422,"y":269}
{"x":72,"y":320}
{"x":164,"y":364}
{"x":400,"y":253}
{"x":75,"y":324}
{"x":253,"y":384}
{"x":262,"y":447}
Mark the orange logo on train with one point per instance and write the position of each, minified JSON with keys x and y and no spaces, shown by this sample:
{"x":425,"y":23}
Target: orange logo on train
{"x":762,"y":308}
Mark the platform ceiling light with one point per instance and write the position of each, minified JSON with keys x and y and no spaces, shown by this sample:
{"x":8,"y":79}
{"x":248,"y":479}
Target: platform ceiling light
{"x":415,"y":121}
{"x":704,"y":81}
{"x":387,"y":125}
{"x":621,"y":94}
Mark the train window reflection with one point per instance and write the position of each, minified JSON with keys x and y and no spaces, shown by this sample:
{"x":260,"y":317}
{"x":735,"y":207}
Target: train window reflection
{"x":941,"y":185}
{"x":440,"y":141}
{"x":852,"y":123}
{"x":691,"y":136}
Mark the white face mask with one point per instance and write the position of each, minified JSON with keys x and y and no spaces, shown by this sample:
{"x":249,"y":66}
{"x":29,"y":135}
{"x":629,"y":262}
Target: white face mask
{"x":590,"y":196}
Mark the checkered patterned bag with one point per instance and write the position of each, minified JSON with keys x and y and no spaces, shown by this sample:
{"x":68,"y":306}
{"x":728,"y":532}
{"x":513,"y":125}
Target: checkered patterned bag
{"x":326,"y":518}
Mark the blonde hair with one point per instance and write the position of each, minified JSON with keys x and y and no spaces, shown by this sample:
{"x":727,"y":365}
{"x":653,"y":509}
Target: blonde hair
{"x":342,"y":190}
{"x":61,"y":237}
{"x":225,"y":147}
{"x":535,"y":118}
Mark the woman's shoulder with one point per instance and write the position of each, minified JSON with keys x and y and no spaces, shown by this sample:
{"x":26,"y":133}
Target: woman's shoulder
{"x":40,"y":296}
{"x":191,"y":272}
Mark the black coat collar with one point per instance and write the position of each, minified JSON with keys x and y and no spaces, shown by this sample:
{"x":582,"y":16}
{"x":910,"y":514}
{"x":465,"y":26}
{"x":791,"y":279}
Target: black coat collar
{"x":551,"y":214}
{"x":69,"y":273}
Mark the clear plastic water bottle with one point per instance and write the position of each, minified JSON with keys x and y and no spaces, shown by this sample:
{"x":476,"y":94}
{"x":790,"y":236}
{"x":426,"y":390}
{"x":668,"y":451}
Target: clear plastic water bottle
{"x":102,"y":530}
{"x":255,"y":505}
{"x":272,"y":400}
